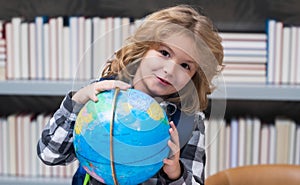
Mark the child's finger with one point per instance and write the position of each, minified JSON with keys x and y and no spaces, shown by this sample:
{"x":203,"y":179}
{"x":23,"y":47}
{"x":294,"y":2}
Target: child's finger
{"x":174,"y":133}
{"x":173,"y":149}
{"x":111,"y":84}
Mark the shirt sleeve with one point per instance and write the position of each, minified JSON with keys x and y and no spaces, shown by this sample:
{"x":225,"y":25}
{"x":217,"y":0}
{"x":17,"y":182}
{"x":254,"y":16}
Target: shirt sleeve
{"x":192,"y":158}
{"x":55,"y":147}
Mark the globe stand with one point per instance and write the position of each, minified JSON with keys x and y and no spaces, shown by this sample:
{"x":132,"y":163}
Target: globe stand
{"x":112,"y":164}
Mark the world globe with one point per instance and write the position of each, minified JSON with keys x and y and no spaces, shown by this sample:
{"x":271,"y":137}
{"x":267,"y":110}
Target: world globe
{"x":122,"y":138}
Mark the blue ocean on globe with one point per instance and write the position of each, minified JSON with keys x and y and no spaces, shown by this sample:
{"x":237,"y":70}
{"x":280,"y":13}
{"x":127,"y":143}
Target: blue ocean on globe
{"x":140,"y":136}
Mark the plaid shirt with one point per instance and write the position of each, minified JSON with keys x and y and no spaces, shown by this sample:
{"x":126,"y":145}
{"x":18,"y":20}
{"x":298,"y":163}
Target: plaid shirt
{"x":55,"y":147}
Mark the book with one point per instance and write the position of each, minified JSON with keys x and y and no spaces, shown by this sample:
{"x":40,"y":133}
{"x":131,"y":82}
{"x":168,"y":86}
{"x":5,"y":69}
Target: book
{"x":47,"y":170}
{"x":97,"y":39}
{"x":12,"y":147}
{"x":245,"y":66}
{"x":84,"y":48}
{"x":60,"y":40}
{"x":2,"y":149}
{"x":109,"y":34}
{"x":227,"y":145}
{"x":272,"y":144}
{"x":222,"y":146}
{"x":250,"y":79}
{"x":244,"y":44}
{"x":207,"y":148}
{"x":80,"y":70}
{"x":5,"y":146}
{"x":282,"y":140}
{"x":245,"y":52}
{"x":19,"y":145}
{"x":247,"y":59}
{"x":233,"y":143}
{"x":9,"y":51}
{"x":16,"y":34}
{"x":117,"y":33}
{"x":34,"y":135}
{"x":293,"y":58}
{"x":249,"y":140}
{"x":286,"y":56}
{"x":24,"y":50}
{"x":40,"y":126}
{"x":99,"y":50}
{"x":243,"y":36}
{"x":213,"y":144}
{"x":53,"y":49}
{"x":241,"y":141}
{"x":32,"y":51}
{"x":71,"y":168}
{"x":125,"y":28}
{"x":66,"y":52}
{"x":2,"y":70}
{"x":297,"y":146}
{"x":2,"y":46}
{"x":243,"y":72}
{"x":39,"y":26}
{"x":88,"y":49}
{"x":46,"y":63}
{"x":278,"y":52}
{"x":1,"y":28}
{"x":256,"y":140}
{"x":73,"y":46}
{"x":292,"y":141}
{"x":264,"y":144}
{"x":271,"y":41}
{"x":2,"y":57}
{"x":297,"y":81}
{"x":26,"y":133}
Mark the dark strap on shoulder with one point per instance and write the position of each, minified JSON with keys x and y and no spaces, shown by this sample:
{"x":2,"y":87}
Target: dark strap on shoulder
{"x":185,"y":125}
{"x":79,"y":176}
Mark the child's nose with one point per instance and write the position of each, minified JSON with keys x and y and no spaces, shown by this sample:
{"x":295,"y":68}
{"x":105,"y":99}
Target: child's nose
{"x":170,"y":67}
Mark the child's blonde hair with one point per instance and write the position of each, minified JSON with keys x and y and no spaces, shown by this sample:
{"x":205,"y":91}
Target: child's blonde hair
{"x":181,"y":19}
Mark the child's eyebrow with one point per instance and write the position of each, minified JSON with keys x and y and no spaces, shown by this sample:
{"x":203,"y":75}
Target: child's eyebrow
{"x":165,"y":45}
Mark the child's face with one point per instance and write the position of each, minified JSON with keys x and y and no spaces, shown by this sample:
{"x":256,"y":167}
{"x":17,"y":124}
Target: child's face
{"x":166,"y":69}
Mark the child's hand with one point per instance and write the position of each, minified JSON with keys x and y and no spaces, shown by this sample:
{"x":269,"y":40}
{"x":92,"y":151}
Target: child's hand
{"x":89,"y":92}
{"x":171,"y":165}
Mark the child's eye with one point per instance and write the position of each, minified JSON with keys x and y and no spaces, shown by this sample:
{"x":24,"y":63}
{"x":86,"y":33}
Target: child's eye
{"x":165,"y":53}
{"x":185,"y":66}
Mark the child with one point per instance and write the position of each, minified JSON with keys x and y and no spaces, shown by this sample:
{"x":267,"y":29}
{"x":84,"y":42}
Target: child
{"x":172,"y":56}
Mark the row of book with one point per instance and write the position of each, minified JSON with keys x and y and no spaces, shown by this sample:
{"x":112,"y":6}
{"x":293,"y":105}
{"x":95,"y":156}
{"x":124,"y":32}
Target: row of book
{"x":245,"y":57}
{"x":65,"y":48}
{"x":248,"y":140}
{"x":283,"y":53}
{"x":237,"y":142}
{"x":62,"y":48}
{"x":19,"y":134}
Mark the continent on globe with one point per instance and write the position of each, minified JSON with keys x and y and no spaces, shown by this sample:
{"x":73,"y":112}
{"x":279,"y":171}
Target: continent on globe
{"x":140,"y":135}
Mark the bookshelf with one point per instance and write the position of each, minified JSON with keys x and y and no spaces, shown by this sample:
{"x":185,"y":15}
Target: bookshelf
{"x":229,"y":15}
{"x":233,"y":91}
